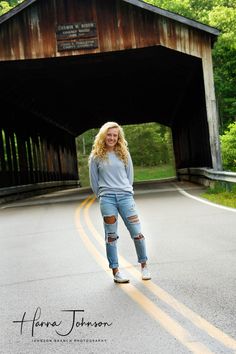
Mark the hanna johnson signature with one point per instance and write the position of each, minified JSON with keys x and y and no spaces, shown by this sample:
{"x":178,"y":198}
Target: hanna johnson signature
{"x":36,"y":322}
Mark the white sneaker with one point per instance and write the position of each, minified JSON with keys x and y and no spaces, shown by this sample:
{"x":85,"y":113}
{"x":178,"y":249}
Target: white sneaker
{"x":146,"y":275}
{"x":120,"y":278}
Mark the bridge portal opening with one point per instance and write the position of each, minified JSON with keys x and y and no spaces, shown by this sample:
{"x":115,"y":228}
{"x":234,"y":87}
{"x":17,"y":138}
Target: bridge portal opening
{"x":150,"y":145}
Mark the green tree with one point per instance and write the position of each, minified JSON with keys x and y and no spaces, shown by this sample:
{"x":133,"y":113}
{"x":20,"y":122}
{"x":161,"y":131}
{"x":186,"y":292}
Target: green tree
{"x":178,"y":6}
{"x":224,"y":56}
{"x":84,"y":142}
{"x":6,"y":6}
{"x":150,"y":144}
{"x":228,"y":146}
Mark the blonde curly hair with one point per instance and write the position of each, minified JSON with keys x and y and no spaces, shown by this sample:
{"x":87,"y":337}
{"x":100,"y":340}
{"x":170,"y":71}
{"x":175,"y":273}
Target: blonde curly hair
{"x":99,"y":146}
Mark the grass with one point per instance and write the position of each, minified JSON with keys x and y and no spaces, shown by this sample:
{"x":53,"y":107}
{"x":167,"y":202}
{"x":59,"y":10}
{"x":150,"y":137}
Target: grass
{"x":140,"y":173}
{"x":223,"y":194}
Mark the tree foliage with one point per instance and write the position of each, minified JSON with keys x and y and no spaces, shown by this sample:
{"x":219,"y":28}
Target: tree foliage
{"x":6,"y":6}
{"x":228,"y":145}
{"x":150,"y":144}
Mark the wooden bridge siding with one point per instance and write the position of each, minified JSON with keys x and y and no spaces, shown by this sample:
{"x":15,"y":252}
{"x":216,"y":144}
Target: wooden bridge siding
{"x":7,"y":161}
{"x":14,"y":157}
{"x":33,"y":159}
{"x":36,"y":157}
{"x":30,"y":166}
{"x":120,"y":26}
{"x":211,"y":106}
{"x":193,"y":134}
{"x":8,"y":153}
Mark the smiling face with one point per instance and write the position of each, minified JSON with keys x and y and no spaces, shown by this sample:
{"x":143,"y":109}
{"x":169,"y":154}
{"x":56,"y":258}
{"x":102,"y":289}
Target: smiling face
{"x":111,"y":138}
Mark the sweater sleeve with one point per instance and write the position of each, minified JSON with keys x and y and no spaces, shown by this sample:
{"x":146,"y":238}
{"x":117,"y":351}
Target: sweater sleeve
{"x":93,"y":176}
{"x":130,"y":170}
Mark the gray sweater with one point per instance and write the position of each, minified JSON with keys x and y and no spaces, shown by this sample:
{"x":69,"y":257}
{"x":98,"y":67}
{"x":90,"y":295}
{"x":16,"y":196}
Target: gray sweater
{"x":111,"y":176}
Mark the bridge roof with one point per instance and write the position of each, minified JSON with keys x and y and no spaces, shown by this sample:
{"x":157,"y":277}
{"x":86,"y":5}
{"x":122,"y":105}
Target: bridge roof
{"x":138,"y":3}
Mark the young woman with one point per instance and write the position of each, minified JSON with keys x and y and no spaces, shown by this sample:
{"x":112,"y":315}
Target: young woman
{"x":111,"y":179}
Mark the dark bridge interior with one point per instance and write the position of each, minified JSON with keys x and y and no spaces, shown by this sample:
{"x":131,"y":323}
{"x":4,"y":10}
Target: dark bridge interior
{"x":77,"y":93}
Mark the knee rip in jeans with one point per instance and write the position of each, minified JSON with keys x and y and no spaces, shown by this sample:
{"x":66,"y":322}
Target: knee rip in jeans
{"x":110,"y":219}
{"x":111,"y":237}
{"x":133,"y":219}
{"x":139,"y":237}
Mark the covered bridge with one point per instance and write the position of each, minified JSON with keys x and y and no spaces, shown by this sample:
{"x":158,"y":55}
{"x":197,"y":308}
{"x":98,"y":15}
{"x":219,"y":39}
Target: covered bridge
{"x":70,"y":65}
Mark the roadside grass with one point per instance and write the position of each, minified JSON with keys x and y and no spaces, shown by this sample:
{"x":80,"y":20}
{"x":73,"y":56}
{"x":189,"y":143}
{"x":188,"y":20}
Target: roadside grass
{"x":141,"y":173}
{"x":223,"y":194}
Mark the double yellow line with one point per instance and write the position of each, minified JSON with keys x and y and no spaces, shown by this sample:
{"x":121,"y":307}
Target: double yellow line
{"x":167,"y":322}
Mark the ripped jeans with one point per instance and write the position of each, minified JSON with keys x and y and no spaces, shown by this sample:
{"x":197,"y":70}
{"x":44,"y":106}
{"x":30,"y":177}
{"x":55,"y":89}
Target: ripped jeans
{"x":111,"y":205}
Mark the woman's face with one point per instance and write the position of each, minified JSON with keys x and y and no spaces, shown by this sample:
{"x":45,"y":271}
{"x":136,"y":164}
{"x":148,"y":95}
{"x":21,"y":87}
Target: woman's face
{"x":111,"y":138}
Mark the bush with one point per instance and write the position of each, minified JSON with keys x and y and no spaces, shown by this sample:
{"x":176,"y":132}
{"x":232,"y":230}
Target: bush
{"x":228,"y":146}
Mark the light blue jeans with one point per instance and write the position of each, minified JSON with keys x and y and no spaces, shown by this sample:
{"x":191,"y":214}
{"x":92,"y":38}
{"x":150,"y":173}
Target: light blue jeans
{"x":111,"y":205}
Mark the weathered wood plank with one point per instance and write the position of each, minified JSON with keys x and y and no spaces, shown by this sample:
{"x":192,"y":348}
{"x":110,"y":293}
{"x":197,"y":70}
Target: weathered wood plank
{"x":32,"y":33}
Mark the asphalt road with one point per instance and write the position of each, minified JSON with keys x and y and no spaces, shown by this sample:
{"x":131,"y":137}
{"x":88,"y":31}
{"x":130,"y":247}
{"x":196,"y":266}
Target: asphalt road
{"x":57,"y":294}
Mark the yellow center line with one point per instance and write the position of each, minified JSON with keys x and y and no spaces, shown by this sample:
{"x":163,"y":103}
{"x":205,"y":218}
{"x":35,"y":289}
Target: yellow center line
{"x":170,"y":325}
{"x":196,"y":319}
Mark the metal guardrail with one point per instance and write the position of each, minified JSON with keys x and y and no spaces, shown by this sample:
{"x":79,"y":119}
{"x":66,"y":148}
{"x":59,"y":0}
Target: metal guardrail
{"x":18,"y":192}
{"x":210,"y":174}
